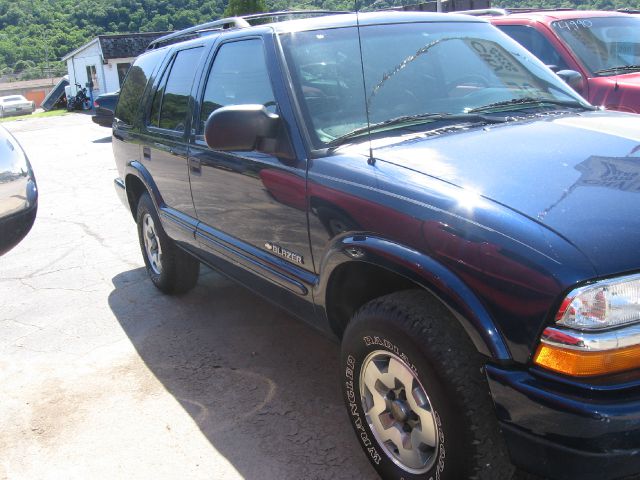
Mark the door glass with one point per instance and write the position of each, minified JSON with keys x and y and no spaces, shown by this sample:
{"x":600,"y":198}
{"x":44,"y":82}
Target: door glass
{"x":154,"y":116}
{"x":135,"y":84}
{"x":536,"y":43}
{"x":238,"y":76}
{"x":123,"y":68}
{"x":172,"y":99}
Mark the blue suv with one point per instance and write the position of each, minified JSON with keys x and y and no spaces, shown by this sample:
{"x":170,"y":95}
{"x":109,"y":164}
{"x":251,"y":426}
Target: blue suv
{"x":424,"y":189}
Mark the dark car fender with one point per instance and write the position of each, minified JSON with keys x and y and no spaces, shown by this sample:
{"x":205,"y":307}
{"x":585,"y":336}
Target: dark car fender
{"x":421,"y":270}
{"x":136,"y":175}
{"x":177,"y":225}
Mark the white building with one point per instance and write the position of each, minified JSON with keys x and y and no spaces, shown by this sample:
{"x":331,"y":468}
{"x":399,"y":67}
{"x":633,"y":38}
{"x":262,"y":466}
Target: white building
{"x":105,"y":60}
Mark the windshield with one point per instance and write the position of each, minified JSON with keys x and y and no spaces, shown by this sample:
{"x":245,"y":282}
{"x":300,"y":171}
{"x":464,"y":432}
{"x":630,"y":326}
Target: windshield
{"x":410,"y":70}
{"x":603,"y":43}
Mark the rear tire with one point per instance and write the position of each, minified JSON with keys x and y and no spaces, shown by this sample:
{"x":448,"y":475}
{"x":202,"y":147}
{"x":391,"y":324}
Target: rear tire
{"x":171,"y":269}
{"x":416,"y":393}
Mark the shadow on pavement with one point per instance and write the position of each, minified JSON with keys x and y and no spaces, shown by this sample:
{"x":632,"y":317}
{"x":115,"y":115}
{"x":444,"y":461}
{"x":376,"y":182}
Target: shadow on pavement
{"x":103,"y":140}
{"x":261,"y":386}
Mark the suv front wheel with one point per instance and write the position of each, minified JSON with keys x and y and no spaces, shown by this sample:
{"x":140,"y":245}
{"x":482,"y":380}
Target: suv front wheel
{"x":416,"y":395}
{"x":170,"y":269}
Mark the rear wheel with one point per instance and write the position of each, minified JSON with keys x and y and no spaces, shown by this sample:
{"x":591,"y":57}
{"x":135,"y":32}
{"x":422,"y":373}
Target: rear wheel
{"x":172,"y":270}
{"x":416,"y":394}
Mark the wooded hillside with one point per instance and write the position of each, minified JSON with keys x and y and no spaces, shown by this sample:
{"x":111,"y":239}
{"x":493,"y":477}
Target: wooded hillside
{"x":34,"y":33}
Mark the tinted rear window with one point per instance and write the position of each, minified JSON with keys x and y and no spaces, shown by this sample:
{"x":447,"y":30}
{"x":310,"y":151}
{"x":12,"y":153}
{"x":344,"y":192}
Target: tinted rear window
{"x":171,"y":102}
{"x":135,"y":84}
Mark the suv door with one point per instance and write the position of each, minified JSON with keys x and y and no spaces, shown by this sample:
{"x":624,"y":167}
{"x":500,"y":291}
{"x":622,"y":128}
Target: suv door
{"x":164,"y":142}
{"x":251,"y":206}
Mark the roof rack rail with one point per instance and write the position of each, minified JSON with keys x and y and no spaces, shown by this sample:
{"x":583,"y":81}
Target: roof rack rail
{"x":532,"y":10}
{"x":194,"y":32}
{"x":290,"y":14}
{"x":484,"y":11}
{"x":628,"y":10}
{"x":244,"y":21}
{"x":508,"y":11}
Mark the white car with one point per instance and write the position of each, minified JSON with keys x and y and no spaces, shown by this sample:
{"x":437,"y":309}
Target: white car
{"x":16,"y":105}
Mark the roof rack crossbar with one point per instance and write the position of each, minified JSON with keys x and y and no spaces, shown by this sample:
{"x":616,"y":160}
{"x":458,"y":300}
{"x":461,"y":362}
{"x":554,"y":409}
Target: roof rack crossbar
{"x":232,"y":22}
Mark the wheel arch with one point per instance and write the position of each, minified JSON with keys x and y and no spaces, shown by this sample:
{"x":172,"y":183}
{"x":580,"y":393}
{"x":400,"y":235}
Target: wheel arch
{"x":138,"y":180}
{"x":358,"y":268}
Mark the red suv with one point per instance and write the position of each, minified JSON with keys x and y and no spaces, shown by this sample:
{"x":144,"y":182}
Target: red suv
{"x":597,"y":53}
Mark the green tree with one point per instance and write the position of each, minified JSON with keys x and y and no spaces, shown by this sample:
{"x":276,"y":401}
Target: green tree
{"x":244,"y":7}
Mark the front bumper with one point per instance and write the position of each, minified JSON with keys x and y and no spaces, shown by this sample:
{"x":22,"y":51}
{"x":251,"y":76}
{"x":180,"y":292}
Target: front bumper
{"x":568,"y":430}
{"x":11,"y":111}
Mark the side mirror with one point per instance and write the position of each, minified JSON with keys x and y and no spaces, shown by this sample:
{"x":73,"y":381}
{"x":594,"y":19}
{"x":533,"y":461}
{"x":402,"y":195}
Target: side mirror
{"x":242,"y":128}
{"x":18,"y":193}
{"x":572,"y":78}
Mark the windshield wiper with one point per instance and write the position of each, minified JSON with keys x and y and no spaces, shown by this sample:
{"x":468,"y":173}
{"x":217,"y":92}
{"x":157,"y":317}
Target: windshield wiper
{"x":415,"y":119}
{"x":530,"y":101}
{"x":621,"y":68}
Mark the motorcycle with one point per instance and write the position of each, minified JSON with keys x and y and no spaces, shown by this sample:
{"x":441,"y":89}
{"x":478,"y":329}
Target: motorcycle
{"x":81,"y":100}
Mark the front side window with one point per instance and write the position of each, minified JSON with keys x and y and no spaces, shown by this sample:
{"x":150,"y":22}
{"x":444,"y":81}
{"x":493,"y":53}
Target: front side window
{"x":536,"y":43}
{"x":171,"y":101}
{"x":606,"y":45}
{"x":409,"y":70}
{"x":238,"y":76}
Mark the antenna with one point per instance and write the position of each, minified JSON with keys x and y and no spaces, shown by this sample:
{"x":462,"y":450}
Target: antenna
{"x":371,"y":160}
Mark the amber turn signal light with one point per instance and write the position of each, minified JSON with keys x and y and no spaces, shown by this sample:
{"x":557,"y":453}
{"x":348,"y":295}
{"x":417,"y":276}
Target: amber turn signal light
{"x":585,"y":364}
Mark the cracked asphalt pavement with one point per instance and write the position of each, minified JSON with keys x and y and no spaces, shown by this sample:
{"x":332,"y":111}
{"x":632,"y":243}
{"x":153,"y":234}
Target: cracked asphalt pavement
{"x":102,"y":376}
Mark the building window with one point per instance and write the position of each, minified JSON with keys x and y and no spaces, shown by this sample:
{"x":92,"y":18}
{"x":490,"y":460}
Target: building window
{"x":123,"y":68}
{"x":92,"y":77}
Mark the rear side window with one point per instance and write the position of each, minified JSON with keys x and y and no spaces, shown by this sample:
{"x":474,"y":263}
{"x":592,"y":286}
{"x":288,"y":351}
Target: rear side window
{"x":536,"y":43}
{"x":171,"y":101}
{"x":238,"y":76}
{"x":135,"y":84}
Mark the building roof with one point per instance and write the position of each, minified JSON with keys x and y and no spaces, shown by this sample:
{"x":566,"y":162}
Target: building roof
{"x":128,"y":45}
{"x":28,"y":84}
{"x":125,"y":45}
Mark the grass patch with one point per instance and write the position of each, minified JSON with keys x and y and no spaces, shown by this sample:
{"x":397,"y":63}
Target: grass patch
{"x":51,"y":113}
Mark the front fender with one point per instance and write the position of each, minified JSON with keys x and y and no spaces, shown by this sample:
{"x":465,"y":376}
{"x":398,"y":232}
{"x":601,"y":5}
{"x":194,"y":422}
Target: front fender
{"x":424,"y":271}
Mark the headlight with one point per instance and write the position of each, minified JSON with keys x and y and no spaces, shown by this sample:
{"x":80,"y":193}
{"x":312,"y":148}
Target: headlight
{"x":597,"y":330}
{"x":605,"y":304}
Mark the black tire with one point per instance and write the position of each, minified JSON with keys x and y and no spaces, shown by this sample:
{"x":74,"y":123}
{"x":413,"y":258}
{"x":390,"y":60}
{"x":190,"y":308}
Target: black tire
{"x":415,"y":331}
{"x":174,"y":270}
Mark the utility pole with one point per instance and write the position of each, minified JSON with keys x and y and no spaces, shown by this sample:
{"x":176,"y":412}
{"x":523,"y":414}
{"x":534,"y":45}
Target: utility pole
{"x":46,"y":57}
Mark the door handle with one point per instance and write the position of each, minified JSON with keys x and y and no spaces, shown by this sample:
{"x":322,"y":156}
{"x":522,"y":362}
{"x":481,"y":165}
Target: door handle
{"x":195,"y":166}
{"x":146,"y":153}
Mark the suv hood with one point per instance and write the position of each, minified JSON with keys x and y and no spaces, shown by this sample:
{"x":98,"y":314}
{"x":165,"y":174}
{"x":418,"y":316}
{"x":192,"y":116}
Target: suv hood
{"x":579,"y":175}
